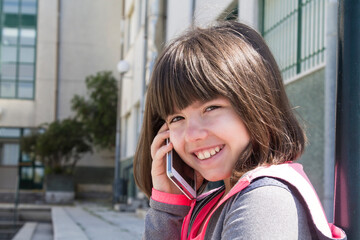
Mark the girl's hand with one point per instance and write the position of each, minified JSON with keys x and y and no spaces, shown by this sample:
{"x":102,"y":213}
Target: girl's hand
{"x":160,"y":180}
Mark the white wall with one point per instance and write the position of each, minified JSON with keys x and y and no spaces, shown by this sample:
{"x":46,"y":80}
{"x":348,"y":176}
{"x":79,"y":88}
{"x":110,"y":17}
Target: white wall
{"x":179,"y":17}
{"x":90,"y":42}
{"x":249,"y":13}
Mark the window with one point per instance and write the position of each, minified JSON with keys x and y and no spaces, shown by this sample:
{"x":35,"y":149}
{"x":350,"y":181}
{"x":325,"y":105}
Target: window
{"x":125,"y":136}
{"x":18,"y":48}
{"x":138,"y":122}
{"x":9,"y":154}
{"x":31,"y":170}
{"x":130,"y":34}
{"x":294,"y":31}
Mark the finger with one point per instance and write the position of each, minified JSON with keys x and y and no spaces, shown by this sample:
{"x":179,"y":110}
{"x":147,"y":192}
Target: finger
{"x":163,"y":128}
{"x":158,"y":164}
{"x":158,"y":141}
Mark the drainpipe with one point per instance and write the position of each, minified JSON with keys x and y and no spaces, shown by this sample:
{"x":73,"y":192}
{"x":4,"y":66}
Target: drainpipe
{"x":143,"y":85}
{"x":57,"y":62}
{"x":347,"y":155}
{"x":193,"y":8}
{"x":122,"y":68}
{"x":330,"y":98}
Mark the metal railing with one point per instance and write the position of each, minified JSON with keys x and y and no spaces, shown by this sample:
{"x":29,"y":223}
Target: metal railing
{"x":295,"y":33}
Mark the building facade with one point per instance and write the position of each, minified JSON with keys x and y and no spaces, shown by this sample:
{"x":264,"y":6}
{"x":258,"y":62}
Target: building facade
{"x":48,"y":48}
{"x":296,"y":32}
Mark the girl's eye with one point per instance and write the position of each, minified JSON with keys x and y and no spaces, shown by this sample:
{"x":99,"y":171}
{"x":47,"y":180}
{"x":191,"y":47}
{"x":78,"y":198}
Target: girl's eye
{"x":175,"y":119}
{"x":208,"y":109}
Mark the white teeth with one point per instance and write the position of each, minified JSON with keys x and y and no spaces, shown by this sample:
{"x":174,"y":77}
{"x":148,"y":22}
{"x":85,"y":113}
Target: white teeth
{"x":208,"y":153}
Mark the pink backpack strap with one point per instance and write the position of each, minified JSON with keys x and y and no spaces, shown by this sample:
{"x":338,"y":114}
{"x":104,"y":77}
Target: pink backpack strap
{"x":186,"y":222}
{"x":293,"y":174}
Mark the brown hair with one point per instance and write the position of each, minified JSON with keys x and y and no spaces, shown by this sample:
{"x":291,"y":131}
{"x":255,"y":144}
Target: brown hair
{"x":230,"y":60}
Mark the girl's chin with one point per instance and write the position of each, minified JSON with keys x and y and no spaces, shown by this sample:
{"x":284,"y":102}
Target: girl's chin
{"x":215,"y":178}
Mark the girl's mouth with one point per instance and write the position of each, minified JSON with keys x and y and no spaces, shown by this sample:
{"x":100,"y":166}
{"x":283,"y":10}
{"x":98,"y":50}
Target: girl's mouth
{"x":205,"y":154}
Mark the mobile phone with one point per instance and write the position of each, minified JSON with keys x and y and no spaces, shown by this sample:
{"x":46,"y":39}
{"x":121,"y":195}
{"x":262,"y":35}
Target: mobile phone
{"x":181,"y":174}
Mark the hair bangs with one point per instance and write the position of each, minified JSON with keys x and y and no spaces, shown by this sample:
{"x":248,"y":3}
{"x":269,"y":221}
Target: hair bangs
{"x":178,"y":81}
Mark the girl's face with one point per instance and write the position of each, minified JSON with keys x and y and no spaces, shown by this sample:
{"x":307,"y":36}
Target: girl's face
{"x":209,"y":137}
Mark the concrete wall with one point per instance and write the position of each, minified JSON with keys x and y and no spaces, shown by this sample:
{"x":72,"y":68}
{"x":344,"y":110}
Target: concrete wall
{"x":8,"y":176}
{"x":89,"y":42}
{"x":307,"y":97}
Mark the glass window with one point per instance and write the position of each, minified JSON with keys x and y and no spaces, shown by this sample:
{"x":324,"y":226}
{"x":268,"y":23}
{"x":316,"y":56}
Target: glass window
{"x":28,"y":7}
{"x":9,"y":36}
{"x":8,"y":54}
{"x":11,"y":20}
{"x":27,"y":37}
{"x":7,"y":89}
{"x":9,"y":153}
{"x":10,"y":132}
{"x":39,"y":175}
{"x":17,"y":50}
{"x":11,"y":6}
{"x":27,"y":54}
{"x":25,"y":90}
{"x":26,"y":72}
{"x":27,"y":173}
{"x":28,"y":21}
{"x":8,"y":71}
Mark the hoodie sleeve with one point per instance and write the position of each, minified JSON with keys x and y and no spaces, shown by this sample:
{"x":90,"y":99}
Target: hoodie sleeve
{"x":165,"y":217}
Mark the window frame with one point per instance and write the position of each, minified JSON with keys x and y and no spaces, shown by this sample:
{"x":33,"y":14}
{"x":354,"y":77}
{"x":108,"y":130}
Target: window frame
{"x":20,"y":64}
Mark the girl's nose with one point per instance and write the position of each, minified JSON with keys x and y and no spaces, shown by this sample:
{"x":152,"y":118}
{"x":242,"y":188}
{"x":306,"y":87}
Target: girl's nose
{"x":195,"y":131}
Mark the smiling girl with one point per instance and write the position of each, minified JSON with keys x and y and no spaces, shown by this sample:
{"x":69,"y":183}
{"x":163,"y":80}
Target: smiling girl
{"x":218,"y":95}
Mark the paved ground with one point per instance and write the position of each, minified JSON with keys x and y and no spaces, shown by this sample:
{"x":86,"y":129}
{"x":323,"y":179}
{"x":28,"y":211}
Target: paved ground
{"x":90,"y":221}
{"x":43,"y":231}
{"x":102,"y":223}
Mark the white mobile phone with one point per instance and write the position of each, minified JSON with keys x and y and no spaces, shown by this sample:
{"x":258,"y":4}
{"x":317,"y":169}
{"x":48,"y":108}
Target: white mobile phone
{"x":181,"y":174}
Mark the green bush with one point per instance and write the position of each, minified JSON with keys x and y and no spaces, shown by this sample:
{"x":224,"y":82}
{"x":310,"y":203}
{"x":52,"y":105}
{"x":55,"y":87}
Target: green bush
{"x":58,"y":145}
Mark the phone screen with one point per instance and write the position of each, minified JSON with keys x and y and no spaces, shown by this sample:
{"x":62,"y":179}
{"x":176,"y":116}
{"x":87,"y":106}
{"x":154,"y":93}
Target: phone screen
{"x":183,"y":169}
{"x":181,"y":174}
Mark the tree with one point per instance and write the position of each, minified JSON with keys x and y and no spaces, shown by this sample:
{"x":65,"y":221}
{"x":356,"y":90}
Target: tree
{"x":58,"y":145}
{"x":98,"y":112}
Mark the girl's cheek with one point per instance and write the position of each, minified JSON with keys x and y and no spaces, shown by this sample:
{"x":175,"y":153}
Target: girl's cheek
{"x":175,"y":137}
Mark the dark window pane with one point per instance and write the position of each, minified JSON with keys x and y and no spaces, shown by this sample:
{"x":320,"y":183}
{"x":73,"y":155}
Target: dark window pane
{"x":26,"y":72}
{"x":39,"y":175}
{"x":8,"y":71}
{"x":28,"y":7}
{"x":7,"y":89}
{"x":8,"y":54}
{"x":9,"y":36}
{"x":11,"y":20}
{"x":27,"y":37}
{"x":25,"y":90}
{"x":11,"y":6}
{"x":27,"y":55}
{"x":28,"y":21}
{"x":25,"y":157}
{"x":26,"y":173}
